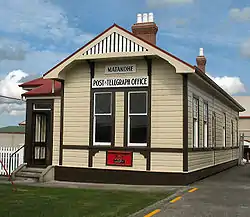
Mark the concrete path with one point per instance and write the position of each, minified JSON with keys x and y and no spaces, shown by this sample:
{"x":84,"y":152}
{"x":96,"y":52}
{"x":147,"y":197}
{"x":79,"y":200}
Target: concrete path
{"x":226,"y":194}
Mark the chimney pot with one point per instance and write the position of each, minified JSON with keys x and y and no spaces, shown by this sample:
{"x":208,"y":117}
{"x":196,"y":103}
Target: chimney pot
{"x":139,"y":18}
{"x":145,"y":18}
{"x":150,"y":17}
{"x":201,"y":52}
{"x":201,"y":60}
{"x":145,"y":27}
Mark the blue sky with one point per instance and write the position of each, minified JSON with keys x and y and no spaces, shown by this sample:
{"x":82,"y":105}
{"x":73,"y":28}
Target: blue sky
{"x":36,"y":34}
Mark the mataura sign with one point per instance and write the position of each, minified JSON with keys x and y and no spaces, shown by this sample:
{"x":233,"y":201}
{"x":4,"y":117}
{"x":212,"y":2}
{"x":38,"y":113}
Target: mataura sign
{"x":120,"y":82}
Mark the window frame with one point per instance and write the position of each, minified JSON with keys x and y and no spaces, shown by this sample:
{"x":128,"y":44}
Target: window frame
{"x":105,"y":114}
{"x":195,"y":121}
{"x":224,"y":129}
{"x":129,"y":144}
{"x":213,"y":129}
{"x":232,"y":133}
{"x":205,"y":124}
{"x":36,"y":107}
{"x":237,"y":131}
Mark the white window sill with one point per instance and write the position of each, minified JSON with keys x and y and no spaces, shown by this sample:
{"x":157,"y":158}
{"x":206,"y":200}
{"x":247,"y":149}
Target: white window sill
{"x":137,"y":145}
{"x":101,"y":144}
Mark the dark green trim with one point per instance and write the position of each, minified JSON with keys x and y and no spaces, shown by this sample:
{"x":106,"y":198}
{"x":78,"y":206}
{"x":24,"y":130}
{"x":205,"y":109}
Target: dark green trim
{"x":134,"y":149}
{"x":113,"y":104}
{"x":74,"y":174}
{"x":91,"y":112}
{"x":30,"y":131}
{"x":125,"y":120}
{"x":185,"y":123}
{"x":61,"y":123}
{"x":147,"y":149}
{"x":149,"y":68}
{"x":211,"y":149}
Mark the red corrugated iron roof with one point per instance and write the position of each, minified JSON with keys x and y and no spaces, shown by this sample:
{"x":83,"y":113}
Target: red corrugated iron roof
{"x":33,"y":83}
{"x":44,"y":87}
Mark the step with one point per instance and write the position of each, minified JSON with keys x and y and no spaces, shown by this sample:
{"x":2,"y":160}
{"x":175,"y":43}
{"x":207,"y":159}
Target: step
{"x":28,"y":175}
{"x":33,"y":170}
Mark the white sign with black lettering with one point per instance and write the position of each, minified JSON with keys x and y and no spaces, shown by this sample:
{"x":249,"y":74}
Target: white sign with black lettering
{"x":120,"y":82}
{"x":120,"y":69}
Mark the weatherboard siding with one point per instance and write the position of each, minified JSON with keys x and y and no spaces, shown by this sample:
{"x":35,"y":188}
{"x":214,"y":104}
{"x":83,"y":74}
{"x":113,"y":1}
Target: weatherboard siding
{"x":166,"y":162}
{"x":222,"y":156}
{"x":166,"y":106}
{"x":56,"y":132}
{"x":219,"y":108}
{"x":77,"y":106}
{"x":75,"y":158}
{"x":119,"y":119}
{"x":235,"y":153}
{"x":198,"y":160}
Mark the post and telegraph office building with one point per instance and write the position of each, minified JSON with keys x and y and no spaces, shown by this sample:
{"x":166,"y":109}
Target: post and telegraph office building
{"x":122,"y":110}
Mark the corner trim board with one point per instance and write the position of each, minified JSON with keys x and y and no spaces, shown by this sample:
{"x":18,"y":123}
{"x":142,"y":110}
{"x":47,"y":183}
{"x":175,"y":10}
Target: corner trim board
{"x":149,"y":67}
{"x":61,"y":124}
{"x":92,"y":74}
{"x":185,"y":122}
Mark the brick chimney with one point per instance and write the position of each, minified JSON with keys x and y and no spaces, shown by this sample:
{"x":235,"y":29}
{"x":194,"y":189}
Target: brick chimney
{"x":145,"y":27}
{"x":201,"y":61}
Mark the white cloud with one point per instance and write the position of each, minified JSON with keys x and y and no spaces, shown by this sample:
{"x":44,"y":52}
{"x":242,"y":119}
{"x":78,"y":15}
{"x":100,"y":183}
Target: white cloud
{"x":245,"y":48}
{"x":9,"y":87}
{"x":232,"y":85}
{"x":39,"y":18}
{"x":160,"y":3}
{"x":240,"y":14}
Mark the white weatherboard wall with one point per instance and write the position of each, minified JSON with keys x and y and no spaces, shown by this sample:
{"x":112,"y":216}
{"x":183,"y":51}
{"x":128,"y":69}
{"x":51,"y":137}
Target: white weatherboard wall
{"x":76,"y":115}
{"x":200,"y":159}
{"x":166,"y":117}
{"x":56,"y":132}
{"x":166,"y":106}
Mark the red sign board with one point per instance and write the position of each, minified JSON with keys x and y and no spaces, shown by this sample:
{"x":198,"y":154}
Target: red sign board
{"x":119,"y":158}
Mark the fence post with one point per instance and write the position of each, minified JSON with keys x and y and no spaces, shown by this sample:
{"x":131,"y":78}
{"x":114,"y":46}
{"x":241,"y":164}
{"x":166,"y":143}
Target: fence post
{"x":241,"y":149}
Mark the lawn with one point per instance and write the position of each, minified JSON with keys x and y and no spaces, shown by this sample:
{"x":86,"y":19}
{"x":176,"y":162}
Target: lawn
{"x":62,"y":202}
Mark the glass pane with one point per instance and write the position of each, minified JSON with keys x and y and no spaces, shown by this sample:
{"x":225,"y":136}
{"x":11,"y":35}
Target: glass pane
{"x":205,"y":112}
{"x":42,"y":106}
{"x":42,"y":153}
{"x":37,"y":129}
{"x":40,"y":128}
{"x":138,"y":103}
{"x":103,"y":128}
{"x":138,"y":129}
{"x":195,"y":107}
{"x":103,"y":103}
{"x":37,"y":152}
{"x":195,"y":133}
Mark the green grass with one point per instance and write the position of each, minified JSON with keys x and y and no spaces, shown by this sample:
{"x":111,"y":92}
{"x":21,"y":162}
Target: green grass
{"x":62,"y":202}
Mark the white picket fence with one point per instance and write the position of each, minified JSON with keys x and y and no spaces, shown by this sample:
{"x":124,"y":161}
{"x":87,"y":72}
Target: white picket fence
{"x":14,"y":162}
